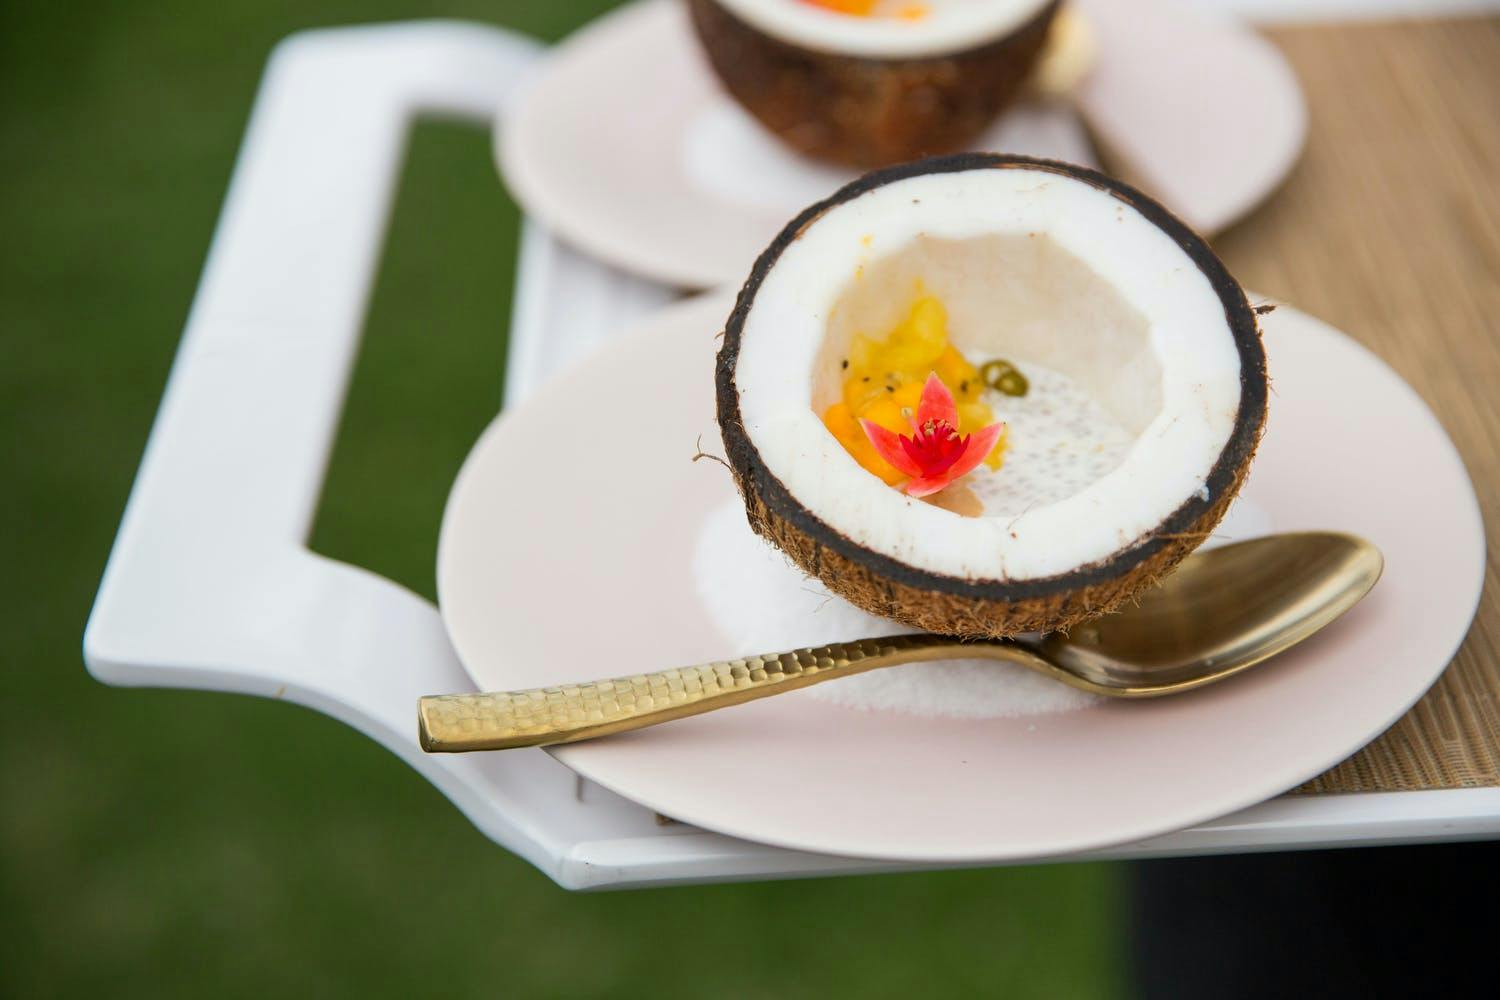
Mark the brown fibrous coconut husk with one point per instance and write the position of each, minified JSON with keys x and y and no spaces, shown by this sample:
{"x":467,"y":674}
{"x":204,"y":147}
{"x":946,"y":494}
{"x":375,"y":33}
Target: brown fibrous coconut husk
{"x":868,"y":112}
{"x":992,"y":608}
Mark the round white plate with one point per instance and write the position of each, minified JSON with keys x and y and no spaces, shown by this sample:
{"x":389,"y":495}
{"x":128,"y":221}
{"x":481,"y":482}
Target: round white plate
{"x":625,"y":145}
{"x":566,"y":554}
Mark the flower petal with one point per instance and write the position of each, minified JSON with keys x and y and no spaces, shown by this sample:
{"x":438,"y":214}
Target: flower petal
{"x":979,"y":446}
{"x":888,"y":446}
{"x":927,"y":485}
{"x":937,"y":404}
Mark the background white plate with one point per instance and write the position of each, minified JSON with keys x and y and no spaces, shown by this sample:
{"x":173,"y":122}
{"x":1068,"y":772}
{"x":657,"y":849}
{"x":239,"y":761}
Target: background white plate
{"x":625,"y":145}
{"x":566,"y":555}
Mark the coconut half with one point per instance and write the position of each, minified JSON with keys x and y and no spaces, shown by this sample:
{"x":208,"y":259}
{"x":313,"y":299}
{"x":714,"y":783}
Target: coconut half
{"x":1059,"y":270}
{"x":870,"y":91}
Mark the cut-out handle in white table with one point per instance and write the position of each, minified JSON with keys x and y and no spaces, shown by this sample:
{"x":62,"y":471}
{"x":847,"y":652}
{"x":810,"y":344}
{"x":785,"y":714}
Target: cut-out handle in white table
{"x":210,"y":584}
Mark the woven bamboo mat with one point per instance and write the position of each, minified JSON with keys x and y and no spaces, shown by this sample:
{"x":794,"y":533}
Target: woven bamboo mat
{"x":1390,"y":230}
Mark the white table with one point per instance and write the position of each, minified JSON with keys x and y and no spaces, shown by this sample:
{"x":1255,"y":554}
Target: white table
{"x":211,"y":585}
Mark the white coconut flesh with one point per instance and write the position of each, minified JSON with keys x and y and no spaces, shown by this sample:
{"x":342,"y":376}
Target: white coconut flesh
{"x":947,"y":25}
{"x":1134,"y":369}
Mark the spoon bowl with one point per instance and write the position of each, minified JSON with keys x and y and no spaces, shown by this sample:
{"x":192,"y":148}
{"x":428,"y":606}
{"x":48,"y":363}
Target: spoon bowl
{"x":1220,"y":612}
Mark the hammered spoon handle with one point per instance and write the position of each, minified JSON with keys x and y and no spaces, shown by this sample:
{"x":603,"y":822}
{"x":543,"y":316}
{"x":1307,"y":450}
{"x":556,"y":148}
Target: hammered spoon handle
{"x":454,"y":723}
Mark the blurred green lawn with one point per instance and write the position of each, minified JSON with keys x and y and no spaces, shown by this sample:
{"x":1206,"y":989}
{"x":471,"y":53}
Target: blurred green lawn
{"x":162,"y":843}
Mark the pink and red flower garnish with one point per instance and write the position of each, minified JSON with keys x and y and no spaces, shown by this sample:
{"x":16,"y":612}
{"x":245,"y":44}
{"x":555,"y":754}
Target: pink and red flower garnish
{"x":935,"y":454}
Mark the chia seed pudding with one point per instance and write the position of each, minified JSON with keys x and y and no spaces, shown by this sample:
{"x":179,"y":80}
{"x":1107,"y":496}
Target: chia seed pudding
{"x":1058,"y":441}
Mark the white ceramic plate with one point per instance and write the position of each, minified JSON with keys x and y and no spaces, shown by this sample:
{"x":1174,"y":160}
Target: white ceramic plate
{"x":625,"y":145}
{"x":566,"y":555}
{"x":1202,"y":113}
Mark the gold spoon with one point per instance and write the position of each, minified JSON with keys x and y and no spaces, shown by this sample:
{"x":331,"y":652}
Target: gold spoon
{"x":1220,"y":612}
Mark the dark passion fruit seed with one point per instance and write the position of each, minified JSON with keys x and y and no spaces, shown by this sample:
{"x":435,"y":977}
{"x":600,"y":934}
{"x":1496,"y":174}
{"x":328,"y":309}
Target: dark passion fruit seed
{"x":1002,"y":376}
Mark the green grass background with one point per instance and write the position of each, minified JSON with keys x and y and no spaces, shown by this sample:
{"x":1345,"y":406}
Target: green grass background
{"x":167,"y":843}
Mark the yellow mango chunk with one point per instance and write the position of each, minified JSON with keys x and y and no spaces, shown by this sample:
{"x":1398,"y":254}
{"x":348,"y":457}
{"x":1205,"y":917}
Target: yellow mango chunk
{"x":863,"y":353}
{"x":884,"y":379}
{"x":860,"y":391}
{"x":972,"y":416}
{"x":928,"y":323}
{"x":920,"y":340}
{"x":887,"y":413}
{"x":961,"y":378}
{"x":846,"y":429}
{"x":908,"y":396}
{"x":996,"y":457}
